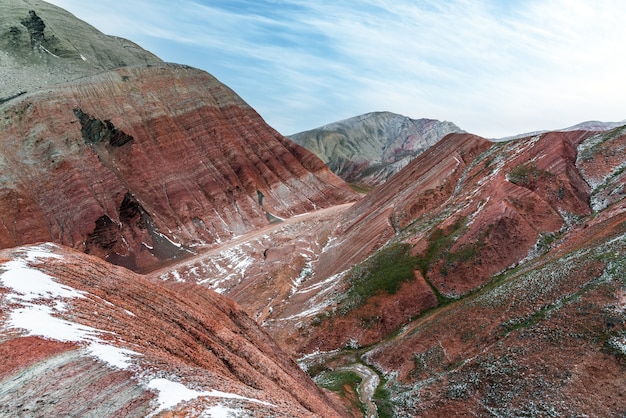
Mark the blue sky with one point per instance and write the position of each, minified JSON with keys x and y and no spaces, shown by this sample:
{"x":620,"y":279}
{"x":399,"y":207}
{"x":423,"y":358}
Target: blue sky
{"x":495,"y":68}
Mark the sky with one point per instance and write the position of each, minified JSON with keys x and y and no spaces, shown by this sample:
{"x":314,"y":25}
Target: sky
{"x":493,"y":67}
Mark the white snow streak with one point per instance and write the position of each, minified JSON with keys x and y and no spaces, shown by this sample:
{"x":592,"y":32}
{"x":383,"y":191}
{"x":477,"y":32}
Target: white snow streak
{"x":221,"y":411}
{"x":29,"y":285}
{"x":172,"y":393}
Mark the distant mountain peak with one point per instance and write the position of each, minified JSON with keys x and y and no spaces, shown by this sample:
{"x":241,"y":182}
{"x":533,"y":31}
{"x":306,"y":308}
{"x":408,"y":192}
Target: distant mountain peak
{"x":368,"y":149}
{"x":591,"y":125}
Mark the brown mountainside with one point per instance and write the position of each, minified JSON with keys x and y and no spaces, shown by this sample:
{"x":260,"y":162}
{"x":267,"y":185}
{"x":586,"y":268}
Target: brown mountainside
{"x":513,"y":302}
{"x":440,"y":275}
{"x":142,"y":164}
{"x":87,"y":338}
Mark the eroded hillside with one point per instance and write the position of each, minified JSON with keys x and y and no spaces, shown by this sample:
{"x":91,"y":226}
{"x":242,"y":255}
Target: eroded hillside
{"x":482,"y":278}
{"x":449,"y":269}
{"x":143,"y":164}
{"x":87,"y":338}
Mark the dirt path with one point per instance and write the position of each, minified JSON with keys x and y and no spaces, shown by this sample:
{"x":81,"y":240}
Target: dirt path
{"x":217,"y":248}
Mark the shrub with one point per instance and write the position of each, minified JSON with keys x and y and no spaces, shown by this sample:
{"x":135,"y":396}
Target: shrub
{"x":526,"y":174}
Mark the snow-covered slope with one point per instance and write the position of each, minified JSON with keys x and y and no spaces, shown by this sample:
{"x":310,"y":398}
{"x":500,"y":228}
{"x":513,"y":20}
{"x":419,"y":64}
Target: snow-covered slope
{"x":85,"y":338}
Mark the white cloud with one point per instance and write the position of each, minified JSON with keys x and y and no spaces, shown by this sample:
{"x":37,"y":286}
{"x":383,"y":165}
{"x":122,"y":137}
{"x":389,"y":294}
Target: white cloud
{"x":494,"y":68}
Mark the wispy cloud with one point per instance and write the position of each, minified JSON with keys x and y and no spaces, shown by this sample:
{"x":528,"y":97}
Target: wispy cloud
{"x":493,"y":67}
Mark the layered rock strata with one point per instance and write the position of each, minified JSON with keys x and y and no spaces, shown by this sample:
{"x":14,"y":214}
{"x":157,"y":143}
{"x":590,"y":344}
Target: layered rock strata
{"x":141,"y":164}
{"x":87,"y":338}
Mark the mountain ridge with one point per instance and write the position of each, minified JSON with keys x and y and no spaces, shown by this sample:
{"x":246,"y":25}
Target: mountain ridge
{"x":151,"y":348}
{"x":161,"y":158}
{"x":369,"y":148}
{"x":42,"y":45}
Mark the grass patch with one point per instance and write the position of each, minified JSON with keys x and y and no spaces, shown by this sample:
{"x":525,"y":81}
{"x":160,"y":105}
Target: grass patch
{"x":382,"y":399}
{"x":361,"y":188}
{"x":384,"y":272}
{"x":337,"y":381}
{"x":593,"y":145}
{"x":340,"y":382}
{"x":527,"y":174}
{"x":439,"y":242}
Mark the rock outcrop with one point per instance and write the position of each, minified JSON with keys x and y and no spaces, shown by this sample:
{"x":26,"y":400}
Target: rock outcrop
{"x":87,"y":338}
{"x":369,"y":149}
{"x":141,"y":164}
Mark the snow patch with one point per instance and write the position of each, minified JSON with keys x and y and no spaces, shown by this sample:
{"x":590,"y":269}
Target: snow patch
{"x":176,"y":276}
{"x":114,"y":356}
{"x":162,"y":235}
{"x":221,"y":411}
{"x":618,"y":343}
{"x":43,"y":48}
{"x":28,"y":285}
{"x":172,"y":393}
{"x":305,"y":273}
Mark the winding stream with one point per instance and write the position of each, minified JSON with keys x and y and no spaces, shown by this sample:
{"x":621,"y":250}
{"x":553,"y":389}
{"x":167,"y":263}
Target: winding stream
{"x":367,"y":387}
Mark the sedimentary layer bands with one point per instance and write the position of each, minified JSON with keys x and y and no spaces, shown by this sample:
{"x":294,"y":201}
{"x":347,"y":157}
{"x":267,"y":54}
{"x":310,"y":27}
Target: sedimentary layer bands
{"x":140,"y":164}
{"x":87,"y":338}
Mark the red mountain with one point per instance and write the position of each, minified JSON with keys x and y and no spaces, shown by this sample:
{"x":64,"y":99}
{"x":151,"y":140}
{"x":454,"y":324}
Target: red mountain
{"x":87,"y":338}
{"x":481,"y":279}
{"x":143,"y":164}
{"x":462,"y":271}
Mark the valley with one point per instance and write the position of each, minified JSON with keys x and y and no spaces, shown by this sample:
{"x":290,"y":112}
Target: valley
{"x":165,"y":252}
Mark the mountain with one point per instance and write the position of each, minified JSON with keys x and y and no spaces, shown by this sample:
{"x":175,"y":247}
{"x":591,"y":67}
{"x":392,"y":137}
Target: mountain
{"x":143,"y":163}
{"x":107,"y":153}
{"x":483,"y":278}
{"x":594,"y":125}
{"x":370,"y":148}
{"x":452,"y":280}
{"x":42,"y":45}
{"x":87,"y":338}
{"x":591,"y":125}
{"x":498,"y":288}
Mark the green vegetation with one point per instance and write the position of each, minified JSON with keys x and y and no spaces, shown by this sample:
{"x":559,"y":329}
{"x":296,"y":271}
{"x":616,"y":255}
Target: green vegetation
{"x":439,"y":242}
{"x":515,"y":324}
{"x":385,"y":272}
{"x":360,"y":188}
{"x":545,"y":240}
{"x":337,"y":381}
{"x":387,"y":269}
{"x":316,"y":369}
{"x":594,"y":145}
{"x":382,"y":399}
{"x":610,"y":179}
{"x":526,"y":174}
